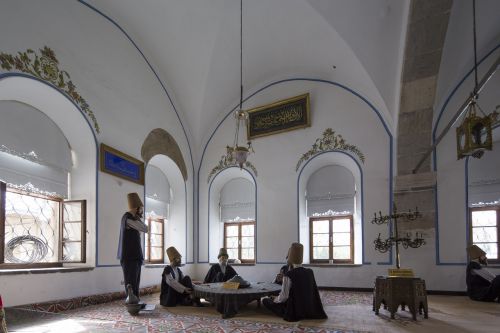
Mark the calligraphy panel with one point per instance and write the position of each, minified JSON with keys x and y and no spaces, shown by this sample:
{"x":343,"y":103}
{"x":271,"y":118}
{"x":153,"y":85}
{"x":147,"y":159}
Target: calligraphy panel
{"x":278,"y":117}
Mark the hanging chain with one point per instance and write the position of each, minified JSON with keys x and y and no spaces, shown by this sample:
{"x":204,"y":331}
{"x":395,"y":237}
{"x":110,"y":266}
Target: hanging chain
{"x":241,"y":54}
{"x":475,"y":47}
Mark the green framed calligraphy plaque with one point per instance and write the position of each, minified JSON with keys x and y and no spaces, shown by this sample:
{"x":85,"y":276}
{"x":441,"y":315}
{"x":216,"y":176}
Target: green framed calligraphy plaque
{"x":278,"y":117}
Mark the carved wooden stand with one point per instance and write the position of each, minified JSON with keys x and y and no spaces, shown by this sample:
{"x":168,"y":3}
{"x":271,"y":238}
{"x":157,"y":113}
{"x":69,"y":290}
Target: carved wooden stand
{"x":396,"y":291}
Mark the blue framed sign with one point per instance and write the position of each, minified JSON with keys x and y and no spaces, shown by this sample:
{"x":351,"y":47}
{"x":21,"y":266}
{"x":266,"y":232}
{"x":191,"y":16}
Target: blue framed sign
{"x":121,"y":165}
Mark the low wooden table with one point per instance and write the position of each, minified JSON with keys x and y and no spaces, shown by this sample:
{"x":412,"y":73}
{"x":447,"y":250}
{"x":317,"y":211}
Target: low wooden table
{"x":404,"y":291}
{"x":228,"y":301}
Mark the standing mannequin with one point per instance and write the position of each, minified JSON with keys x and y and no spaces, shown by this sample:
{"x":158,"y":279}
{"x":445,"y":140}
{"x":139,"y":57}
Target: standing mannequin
{"x":130,"y":244}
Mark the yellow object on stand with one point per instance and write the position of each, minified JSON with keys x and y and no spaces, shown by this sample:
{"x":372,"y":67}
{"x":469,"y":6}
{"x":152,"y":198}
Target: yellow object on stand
{"x":400,"y":272}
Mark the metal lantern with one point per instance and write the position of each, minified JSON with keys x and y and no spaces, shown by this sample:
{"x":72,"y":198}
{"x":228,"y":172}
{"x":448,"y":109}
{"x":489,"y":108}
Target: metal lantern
{"x":474,"y":134}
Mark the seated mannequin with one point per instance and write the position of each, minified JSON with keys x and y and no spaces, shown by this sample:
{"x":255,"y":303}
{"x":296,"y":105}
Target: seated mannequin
{"x":482,"y":285}
{"x":299,"y":296}
{"x":222,"y":271}
{"x":175,"y":287}
{"x":283,"y":270}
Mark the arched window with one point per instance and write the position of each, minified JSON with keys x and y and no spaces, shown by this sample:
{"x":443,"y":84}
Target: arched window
{"x":484,"y":201}
{"x":165,"y":207}
{"x":330,"y":209}
{"x":157,"y":213}
{"x":237,"y":212}
{"x":232,"y":215}
{"x":36,"y":170}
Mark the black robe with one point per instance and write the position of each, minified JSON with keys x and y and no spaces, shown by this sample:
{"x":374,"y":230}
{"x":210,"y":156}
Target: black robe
{"x":283,"y":270}
{"x":169,"y":296}
{"x":303,"y":300}
{"x":215,"y":274}
{"x":478,"y":288}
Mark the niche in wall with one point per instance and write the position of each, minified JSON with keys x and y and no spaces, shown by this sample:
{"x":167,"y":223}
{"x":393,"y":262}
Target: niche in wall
{"x":166,"y":197}
{"x":69,"y":149}
{"x":232,"y":200}
{"x":330,"y":186}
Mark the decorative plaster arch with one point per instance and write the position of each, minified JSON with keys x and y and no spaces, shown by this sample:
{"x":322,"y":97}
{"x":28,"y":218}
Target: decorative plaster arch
{"x":160,"y":142}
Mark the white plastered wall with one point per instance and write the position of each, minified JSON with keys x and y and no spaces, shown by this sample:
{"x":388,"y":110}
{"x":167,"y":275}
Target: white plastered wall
{"x":454,"y":86}
{"x":128,"y":102}
{"x":277,"y":181}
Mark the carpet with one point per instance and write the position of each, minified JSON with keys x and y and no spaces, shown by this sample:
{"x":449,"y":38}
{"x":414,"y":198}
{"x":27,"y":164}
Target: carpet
{"x":112,"y":317}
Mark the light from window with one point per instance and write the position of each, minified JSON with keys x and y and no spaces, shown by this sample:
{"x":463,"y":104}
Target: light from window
{"x":485,"y":228}
{"x":31,"y":229}
{"x":73,"y":237}
{"x":40,"y":231}
{"x":154,"y":240}
{"x":331,"y":239}
{"x":239,"y":240}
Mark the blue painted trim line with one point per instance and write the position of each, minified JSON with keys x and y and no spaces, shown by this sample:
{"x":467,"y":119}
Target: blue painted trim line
{"x":149,"y":65}
{"x":467,"y":208}
{"x":434,"y":156}
{"x":371,"y":106}
{"x":161,"y":84}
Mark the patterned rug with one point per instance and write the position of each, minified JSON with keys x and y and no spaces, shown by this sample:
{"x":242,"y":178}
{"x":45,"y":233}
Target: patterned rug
{"x":112,"y":317}
{"x":331,"y":297}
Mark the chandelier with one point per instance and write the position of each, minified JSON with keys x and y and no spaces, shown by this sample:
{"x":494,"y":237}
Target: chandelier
{"x":474,"y":135}
{"x":394,"y":239}
{"x":239,"y":152}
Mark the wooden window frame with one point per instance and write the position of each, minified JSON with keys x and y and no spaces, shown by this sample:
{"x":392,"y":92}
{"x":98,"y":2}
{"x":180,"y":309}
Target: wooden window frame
{"x":240,"y":224}
{"x":59,"y":263}
{"x":476,"y":209}
{"x":330,"y":260}
{"x":83,"y":240}
{"x":162,"y":222}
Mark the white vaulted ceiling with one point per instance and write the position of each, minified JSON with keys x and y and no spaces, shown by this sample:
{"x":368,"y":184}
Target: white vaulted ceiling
{"x":194,"y":47}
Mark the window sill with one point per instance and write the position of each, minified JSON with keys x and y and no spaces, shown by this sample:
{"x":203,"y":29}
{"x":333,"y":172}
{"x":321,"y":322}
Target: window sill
{"x":45,"y":270}
{"x":242,"y":264}
{"x":332,"y":265}
{"x":163,"y":265}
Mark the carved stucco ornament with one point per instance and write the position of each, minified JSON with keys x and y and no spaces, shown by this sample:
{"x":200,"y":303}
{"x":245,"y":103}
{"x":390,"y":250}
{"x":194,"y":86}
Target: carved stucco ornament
{"x":330,"y":142}
{"x":228,"y":161}
{"x":45,"y":66}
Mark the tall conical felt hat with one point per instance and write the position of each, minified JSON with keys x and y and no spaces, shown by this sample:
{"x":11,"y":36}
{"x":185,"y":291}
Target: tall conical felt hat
{"x":475,"y":252}
{"x":296,"y":253}
{"x":222,"y":252}
{"x":134,"y":201}
{"x":172,"y":253}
